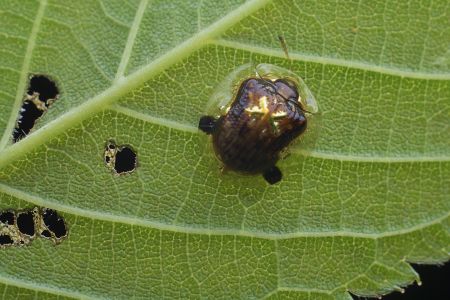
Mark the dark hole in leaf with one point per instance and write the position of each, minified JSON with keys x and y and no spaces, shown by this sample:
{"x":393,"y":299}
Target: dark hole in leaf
{"x":29,"y":113}
{"x":25,"y":223}
{"x":7,"y":217}
{"x":45,"y":87}
{"x":46,"y":233}
{"x":54,"y":222}
{"x":125,"y":160}
{"x":5,"y":239}
{"x":34,"y":105}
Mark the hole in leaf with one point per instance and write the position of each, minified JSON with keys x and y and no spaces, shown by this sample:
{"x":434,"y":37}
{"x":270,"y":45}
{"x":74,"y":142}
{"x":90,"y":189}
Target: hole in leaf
{"x":7,"y":217}
{"x":29,"y":113}
{"x":29,"y":223}
{"x":25,"y":223}
{"x":125,"y":160}
{"x":46,"y":233}
{"x":40,"y":95}
{"x":54,"y":223}
{"x":5,"y":239}
{"x":122,"y":159}
{"x":42,"y":85}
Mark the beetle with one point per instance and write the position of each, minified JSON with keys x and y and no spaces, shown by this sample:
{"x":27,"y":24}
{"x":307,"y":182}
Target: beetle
{"x":265,"y":115}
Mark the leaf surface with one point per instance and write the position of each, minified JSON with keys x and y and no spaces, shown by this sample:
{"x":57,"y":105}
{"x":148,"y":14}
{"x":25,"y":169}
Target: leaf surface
{"x":371,"y":196}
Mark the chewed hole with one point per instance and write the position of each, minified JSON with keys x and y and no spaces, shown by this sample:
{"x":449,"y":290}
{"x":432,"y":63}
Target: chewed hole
{"x":125,"y":160}
{"x":5,"y":239}
{"x":44,"y":86}
{"x":46,"y":233}
{"x":25,"y":223}
{"x":28,"y":115}
{"x":7,"y":217}
{"x":40,"y":95}
{"x":19,"y":228}
{"x":54,"y":223}
{"x":120,"y":158}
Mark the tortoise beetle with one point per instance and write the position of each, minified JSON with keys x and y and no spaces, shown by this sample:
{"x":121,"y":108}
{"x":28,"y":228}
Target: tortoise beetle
{"x":268,"y":111}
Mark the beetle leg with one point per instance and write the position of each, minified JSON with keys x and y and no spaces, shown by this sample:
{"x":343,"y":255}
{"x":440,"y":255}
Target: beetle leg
{"x":207,"y":124}
{"x":273,"y":175}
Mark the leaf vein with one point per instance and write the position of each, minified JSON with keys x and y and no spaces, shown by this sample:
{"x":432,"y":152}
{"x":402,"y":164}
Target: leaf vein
{"x":7,"y":280}
{"x":133,"y":221}
{"x":23,"y":75}
{"x":131,"y":38}
{"x":370,"y":157}
{"x":333,"y":61}
{"x":125,"y":85}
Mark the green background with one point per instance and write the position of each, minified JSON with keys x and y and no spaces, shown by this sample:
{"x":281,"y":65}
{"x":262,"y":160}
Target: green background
{"x":371,"y":194}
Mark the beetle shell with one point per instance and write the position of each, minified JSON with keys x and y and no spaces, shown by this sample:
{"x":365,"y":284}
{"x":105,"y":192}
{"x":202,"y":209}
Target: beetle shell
{"x":265,"y":114}
{"x":258,"y":125}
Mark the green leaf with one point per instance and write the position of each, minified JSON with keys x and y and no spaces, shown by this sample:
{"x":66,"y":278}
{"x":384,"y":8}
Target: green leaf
{"x":349,"y":215}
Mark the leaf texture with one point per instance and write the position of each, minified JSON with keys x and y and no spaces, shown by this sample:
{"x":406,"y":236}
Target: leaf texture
{"x":371,"y":195}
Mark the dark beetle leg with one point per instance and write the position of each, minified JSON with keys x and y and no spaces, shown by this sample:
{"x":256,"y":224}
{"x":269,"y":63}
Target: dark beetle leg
{"x":273,"y":175}
{"x":207,"y":124}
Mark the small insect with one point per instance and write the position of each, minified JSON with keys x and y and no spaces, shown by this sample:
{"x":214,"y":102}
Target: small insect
{"x":267,"y":112}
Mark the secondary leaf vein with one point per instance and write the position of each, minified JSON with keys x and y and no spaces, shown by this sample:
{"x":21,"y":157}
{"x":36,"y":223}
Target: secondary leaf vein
{"x":317,"y":154}
{"x":133,"y":221}
{"x":23,"y":75}
{"x":333,"y":61}
{"x":125,"y":85}
{"x":131,"y":38}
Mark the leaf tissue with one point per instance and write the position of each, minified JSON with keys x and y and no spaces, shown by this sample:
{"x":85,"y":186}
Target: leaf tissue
{"x":349,"y":215}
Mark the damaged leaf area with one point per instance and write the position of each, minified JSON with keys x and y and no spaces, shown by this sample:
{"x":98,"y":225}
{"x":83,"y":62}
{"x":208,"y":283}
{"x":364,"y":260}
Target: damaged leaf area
{"x":22,"y":227}
{"x":351,"y":213}
{"x":120,"y":159}
{"x":41,"y":93}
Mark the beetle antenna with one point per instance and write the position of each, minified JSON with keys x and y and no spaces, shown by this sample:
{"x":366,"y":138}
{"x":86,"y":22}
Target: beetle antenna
{"x":284,"y":46}
{"x":285,"y":49}
{"x":296,"y":104}
{"x":286,"y":52}
{"x":265,"y":80}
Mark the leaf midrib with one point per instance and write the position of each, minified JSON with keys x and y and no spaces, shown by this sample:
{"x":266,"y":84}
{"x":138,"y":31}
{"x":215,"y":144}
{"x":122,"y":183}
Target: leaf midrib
{"x":41,"y":137}
{"x":127,"y":84}
{"x":123,"y":85}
